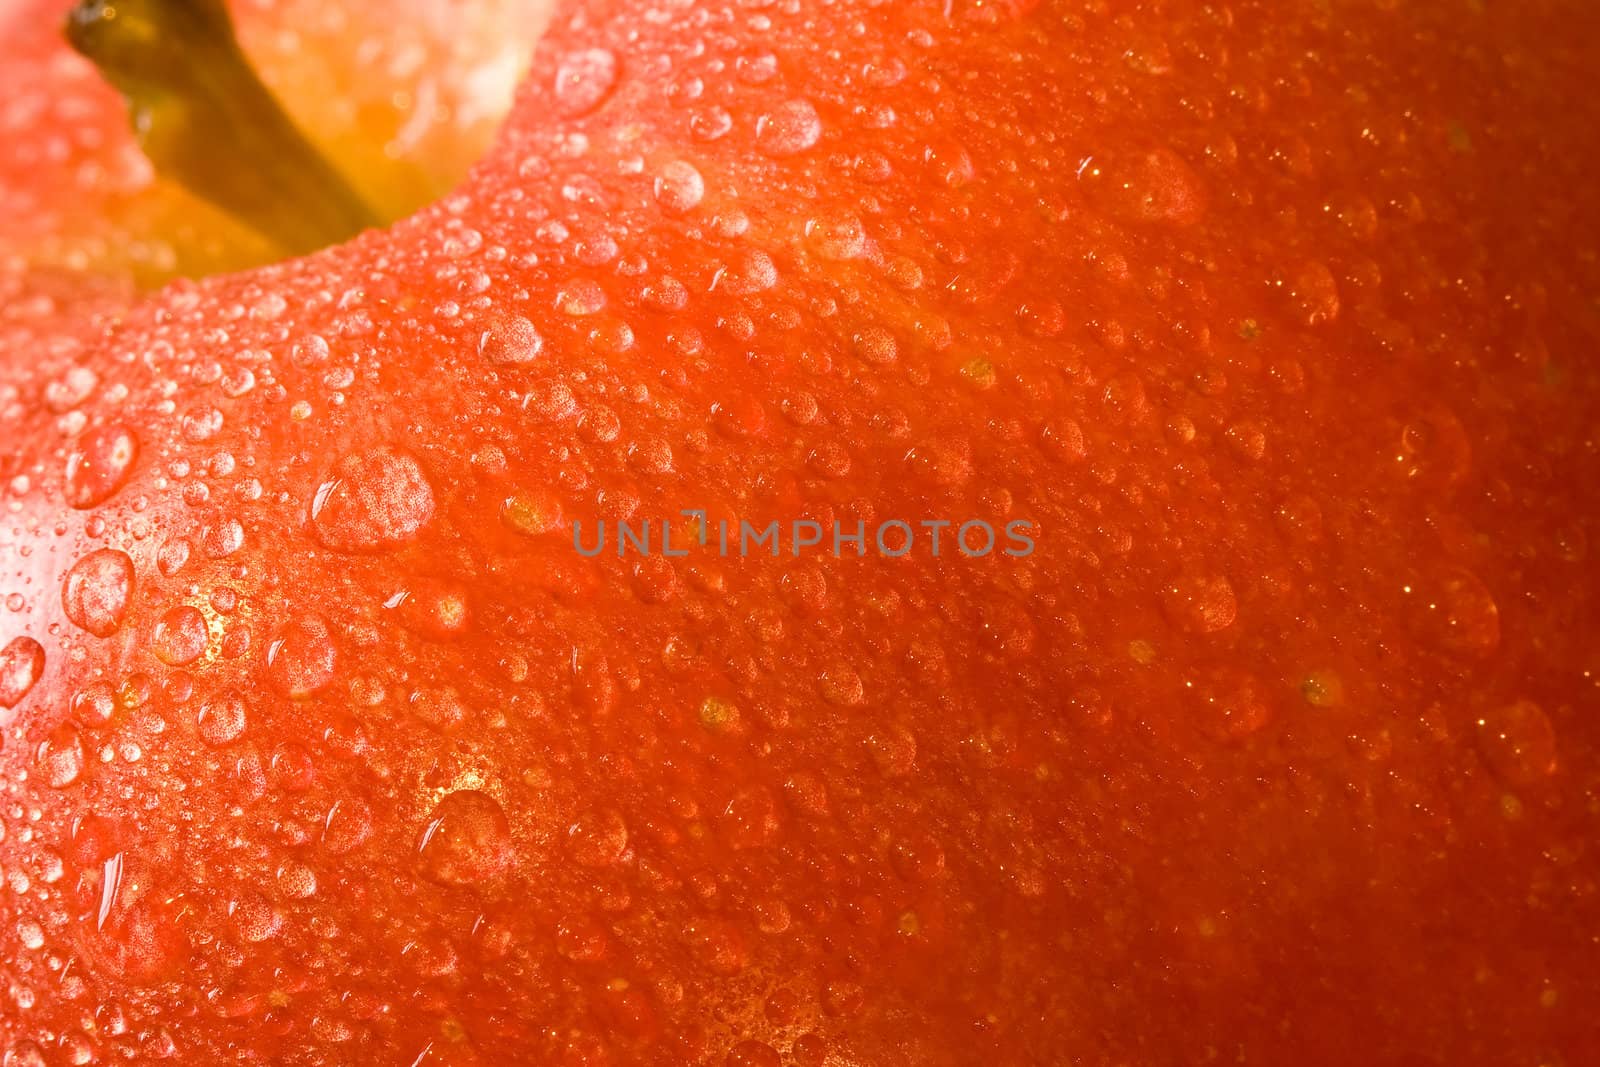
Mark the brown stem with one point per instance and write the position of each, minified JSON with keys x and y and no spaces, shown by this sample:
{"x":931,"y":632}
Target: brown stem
{"x":206,"y":121}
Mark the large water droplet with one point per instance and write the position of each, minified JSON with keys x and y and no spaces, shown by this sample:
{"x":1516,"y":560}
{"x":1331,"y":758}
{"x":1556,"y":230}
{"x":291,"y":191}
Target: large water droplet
{"x":100,"y":465}
{"x":60,"y":757}
{"x":1518,"y":743}
{"x":301,"y":658}
{"x":467,"y":840}
{"x":96,"y":591}
{"x":1200,"y":603}
{"x":1161,"y":187}
{"x":789,"y":128}
{"x":1455,"y":612}
{"x":21,"y":664}
{"x":222,"y":718}
{"x":679,"y":188}
{"x":347,"y":827}
{"x":584,"y":79}
{"x":180,"y":636}
{"x":374,"y":499}
{"x":598,"y":839}
{"x":751,"y":819}
{"x":512,"y":340}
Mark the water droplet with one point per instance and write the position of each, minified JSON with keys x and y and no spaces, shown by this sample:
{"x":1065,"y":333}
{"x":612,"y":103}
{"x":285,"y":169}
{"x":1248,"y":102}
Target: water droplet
{"x":1063,"y":440}
{"x":96,"y":592}
{"x":893,"y":749}
{"x":100,"y":465}
{"x":751,"y":819}
{"x":1434,"y":450}
{"x":347,"y":826}
{"x":840,"y":238}
{"x":710,"y":124}
{"x":21,"y":664}
{"x":222,"y":540}
{"x":679,"y":187}
{"x":843,"y":687}
{"x":94,"y":704}
{"x":297,"y":881}
{"x":719,"y":716}
{"x":918,"y":859}
{"x":598,"y":839}
{"x":1455,"y":612}
{"x":372,"y":500}
{"x":531,"y":513}
{"x":301,"y":658}
{"x":1323,"y":688}
{"x":789,"y":128}
{"x":1315,"y":294}
{"x":180,"y":636}
{"x":222,"y":718}
{"x":1200,"y":603}
{"x":873,"y":344}
{"x":172,"y":556}
{"x":467,"y":839}
{"x":1231,"y":704}
{"x":1161,"y":187}
{"x":1518,"y":743}
{"x":584,"y":79}
{"x":254,"y":918}
{"x":25,"y":1054}
{"x":512,"y":340}
{"x":581,"y":939}
{"x":60,"y":757}
{"x":581,"y":297}
{"x":753,"y":1054}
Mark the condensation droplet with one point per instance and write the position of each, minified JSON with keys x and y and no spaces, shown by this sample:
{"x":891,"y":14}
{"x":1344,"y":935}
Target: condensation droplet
{"x":467,"y":839}
{"x":1455,"y":612}
{"x":788,"y":129}
{"x":222,"y":718}
{"x":96,"y":592}
{"x":180,"y":636}
{"x":1518,"y":743}
{"x":1200,"y":603}
{"x":347,"y":827}
{"x":584,"y":79}
{"x":511,"y":340}
{"x":100,"y":465}
{"x":301,"y":658}
{"x":679,"y":188}
{"x":598,"y":839}
{"x":372,"y":500}
{"x":60,"y":757}
{"x":21,"y":664}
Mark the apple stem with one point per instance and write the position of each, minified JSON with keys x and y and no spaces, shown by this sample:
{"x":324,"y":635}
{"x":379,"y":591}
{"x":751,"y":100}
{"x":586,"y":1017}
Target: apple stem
{"x":206,"y":120}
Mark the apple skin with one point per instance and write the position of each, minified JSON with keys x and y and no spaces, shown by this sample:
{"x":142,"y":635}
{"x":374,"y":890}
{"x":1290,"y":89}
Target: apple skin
{"x":1279,"y":748}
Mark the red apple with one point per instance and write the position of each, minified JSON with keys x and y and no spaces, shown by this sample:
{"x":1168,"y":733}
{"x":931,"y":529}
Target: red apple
{"x":1275,"y":325}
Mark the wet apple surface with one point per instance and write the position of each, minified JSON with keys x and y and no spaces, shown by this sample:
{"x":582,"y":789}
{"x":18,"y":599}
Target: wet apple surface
{"x":325,"y":744}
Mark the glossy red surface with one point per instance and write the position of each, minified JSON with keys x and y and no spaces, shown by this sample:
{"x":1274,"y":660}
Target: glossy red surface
{"x":1278,"y":321}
